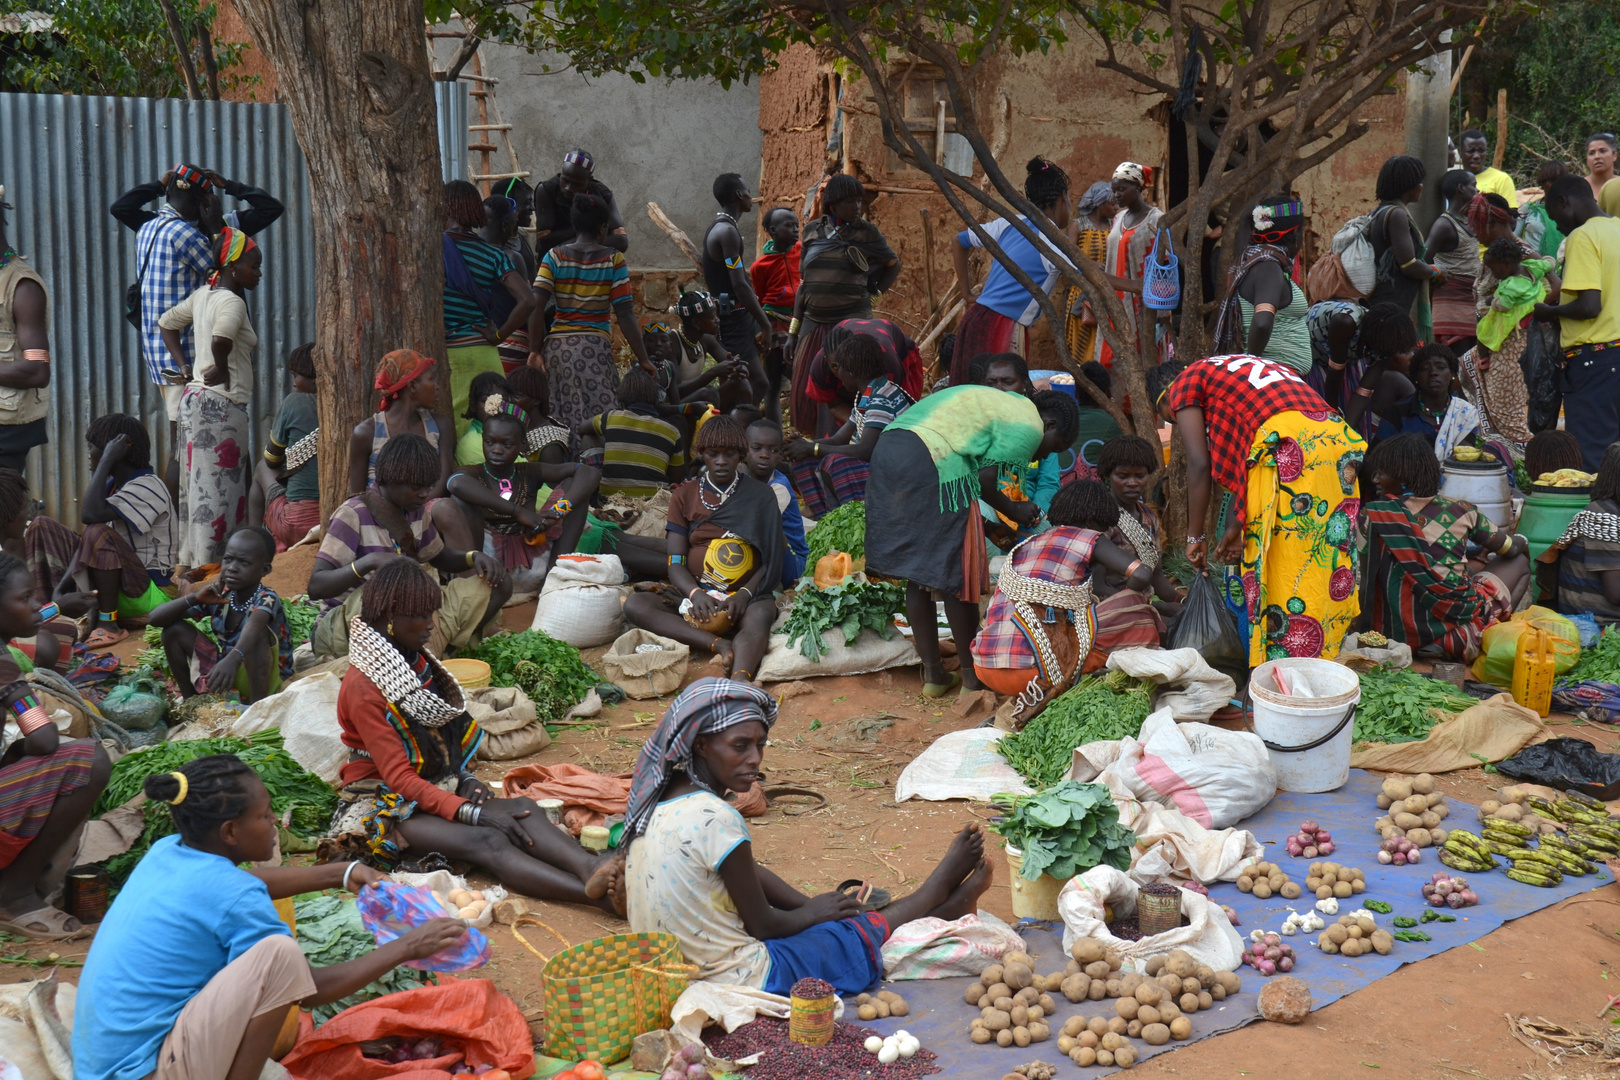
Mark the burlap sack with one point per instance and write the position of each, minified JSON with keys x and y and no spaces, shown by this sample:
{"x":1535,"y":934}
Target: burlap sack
{"x":508,"y":717}
{"x":649,"y":674}
{"x":1495,"y":729}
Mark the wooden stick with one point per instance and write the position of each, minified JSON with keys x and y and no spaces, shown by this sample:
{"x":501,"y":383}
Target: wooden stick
{"x":1501,"y":128}
{"x":939,"y":134}
{"x":928,"y":257}
{"x":1463,"y":64}
{"x":890,"y":189}
{"x":675,"y":233}
{"x":939,"y":328}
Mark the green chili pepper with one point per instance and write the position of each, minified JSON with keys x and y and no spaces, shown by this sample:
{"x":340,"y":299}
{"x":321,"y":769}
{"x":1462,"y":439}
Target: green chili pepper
{"x":1411,"y":935}
{"x":1378,"y":906}
{"x":1402,"y":920}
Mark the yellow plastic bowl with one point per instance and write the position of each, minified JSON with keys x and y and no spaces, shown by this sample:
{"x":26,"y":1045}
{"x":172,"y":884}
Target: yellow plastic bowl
{"x":471,"y":674}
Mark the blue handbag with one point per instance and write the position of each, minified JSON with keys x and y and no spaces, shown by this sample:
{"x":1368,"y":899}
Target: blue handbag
{"x":1161,"y":281}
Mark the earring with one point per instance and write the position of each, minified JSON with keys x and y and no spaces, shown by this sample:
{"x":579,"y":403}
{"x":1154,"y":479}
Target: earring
{"x":390,"y":629}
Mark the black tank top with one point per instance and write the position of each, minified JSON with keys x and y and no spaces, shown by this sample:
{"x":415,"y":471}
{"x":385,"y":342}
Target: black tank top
{"x":715,"y":275}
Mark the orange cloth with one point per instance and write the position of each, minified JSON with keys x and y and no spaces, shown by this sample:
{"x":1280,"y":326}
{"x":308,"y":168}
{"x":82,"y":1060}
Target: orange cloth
{"x":588,"y":798}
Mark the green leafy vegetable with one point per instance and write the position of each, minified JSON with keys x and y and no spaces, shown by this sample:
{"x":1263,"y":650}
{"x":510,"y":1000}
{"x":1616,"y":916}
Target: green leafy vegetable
{"x":1095,"y":709}
{"x":1401,"y":705}
{"x":1599,"y":662}
{"x":330,"y":932}
{"x":1378,"y":906}
{"x":548,"y":670}
{"x":301,"y":616}
{"x":844,"y":529}
{"x":1065,"y":830}
{"x":848,"y":608}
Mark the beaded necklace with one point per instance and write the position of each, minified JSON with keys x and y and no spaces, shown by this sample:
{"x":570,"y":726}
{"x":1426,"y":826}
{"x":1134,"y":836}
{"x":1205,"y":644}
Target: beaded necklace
{"x":724,"y":494}
{"x":248,"y":604}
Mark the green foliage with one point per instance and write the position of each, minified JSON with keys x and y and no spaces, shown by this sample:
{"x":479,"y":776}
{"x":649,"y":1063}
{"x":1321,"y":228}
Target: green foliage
{"x":330,"y":932}
{"x":1401,"y":705}
{"x":119,"y":47}
{"x":1065,"y":830}
{"x":848,"y":608}
{"x":1599,"y":662}
{"x":548,"y":670}
{"x":1093,"y":710}
{"x":844,"y":529}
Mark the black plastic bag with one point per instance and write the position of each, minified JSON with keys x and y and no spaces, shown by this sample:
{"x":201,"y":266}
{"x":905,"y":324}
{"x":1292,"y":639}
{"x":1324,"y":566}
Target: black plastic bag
{"x":1568,"y":765}
{"x":1205,"y":624}
{"x":1542,"y":365}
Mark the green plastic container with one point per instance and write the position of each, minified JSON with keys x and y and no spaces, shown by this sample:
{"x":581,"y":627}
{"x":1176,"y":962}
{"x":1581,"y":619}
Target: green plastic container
{"x":1547,"y":515}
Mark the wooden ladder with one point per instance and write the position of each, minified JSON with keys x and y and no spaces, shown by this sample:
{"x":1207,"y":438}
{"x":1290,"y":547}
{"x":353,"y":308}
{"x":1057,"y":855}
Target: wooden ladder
{"x":481,"y":134}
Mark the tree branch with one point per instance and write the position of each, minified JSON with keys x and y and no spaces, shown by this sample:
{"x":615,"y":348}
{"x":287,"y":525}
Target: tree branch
{"x":182,"y":48}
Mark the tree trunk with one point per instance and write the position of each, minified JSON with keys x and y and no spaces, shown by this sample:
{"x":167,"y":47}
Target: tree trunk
{"x":356,"y":78}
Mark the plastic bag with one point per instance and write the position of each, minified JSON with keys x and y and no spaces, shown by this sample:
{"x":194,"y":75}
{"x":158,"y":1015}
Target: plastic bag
{"x":390,"y":910}
{"x":306,"y":713}
{"x":1567,"y":764}
{"x":1205,"y":625}
{"x":136,"y":705}
{"x":1188,"y":687}
{"x":1208,"y":936}
{"x":441,"y":883}
{"x":1501,"y":642}
{"x":960,"y":765}
{"x":1542,"y":366}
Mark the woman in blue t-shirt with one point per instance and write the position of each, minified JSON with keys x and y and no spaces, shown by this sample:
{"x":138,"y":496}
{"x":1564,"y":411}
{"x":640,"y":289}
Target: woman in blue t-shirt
{"x":192,"y":973}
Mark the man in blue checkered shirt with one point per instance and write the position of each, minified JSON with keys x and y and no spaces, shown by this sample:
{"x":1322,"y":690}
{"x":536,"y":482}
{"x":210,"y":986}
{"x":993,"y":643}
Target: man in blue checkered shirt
{"x":173,"y":257}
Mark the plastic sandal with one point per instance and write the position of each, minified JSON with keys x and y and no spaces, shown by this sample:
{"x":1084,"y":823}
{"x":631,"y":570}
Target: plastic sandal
{"x":102,"y":638}
{"x":47,"y":916}
{"x":867,"y":895}
{"x":939,"y":690}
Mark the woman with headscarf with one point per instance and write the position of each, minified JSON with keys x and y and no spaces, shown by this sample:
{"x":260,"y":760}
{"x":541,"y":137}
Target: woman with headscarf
{"x":690,"y":870}
{"x":845,"y":262}
{"x":1494,"y":376}
{"x":1093,"y":217}
{"x":1265,"y":310}
{"x":409,"y":385}
{"x":1130,"y":242}
{"x":215,"y":427}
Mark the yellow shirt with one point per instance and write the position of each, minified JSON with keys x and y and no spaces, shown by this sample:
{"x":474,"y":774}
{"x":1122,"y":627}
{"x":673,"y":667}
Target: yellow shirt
{"x":1489,"y":181}
{"x":1592,"y":261}
{"x":1609,"y":197}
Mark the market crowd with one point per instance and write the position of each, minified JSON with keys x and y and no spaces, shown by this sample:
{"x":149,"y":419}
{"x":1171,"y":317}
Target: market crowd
{"x":698,"y":446}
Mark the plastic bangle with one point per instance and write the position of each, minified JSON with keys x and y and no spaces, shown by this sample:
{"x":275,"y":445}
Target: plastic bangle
{"x":1337,"y":367}
{"x":38,"y":356}
{"x":695,"y":590}
{"x":1362,"y":391}
{"x":1133,"y":568}
{"x":747,"y":590}
{"x":1270,"y":309}
{"x":677,"y":560}
{"x":347,"y":872}
{"x":470,"y":556}
{"x":1191,"y":540}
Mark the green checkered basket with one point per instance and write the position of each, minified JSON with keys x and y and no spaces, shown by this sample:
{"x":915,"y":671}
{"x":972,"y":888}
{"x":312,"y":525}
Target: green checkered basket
{"x":601,"y":994}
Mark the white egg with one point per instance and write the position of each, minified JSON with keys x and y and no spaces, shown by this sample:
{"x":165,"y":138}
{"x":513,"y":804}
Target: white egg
{"x":888,"y":1055}
{"x":873,"y":1044}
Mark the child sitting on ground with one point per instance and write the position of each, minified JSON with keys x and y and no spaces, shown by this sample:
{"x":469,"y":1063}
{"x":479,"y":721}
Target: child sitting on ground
{"x":690,"y":869}
{"x":1039,"y":629}
{"x":547,"y":438}
{"x":286,"y":493}
{"x":486,"y":391}
{"x":254,"y":654}
{"x":181,"y":990}
{"x":127,"y":551}
{"x":48,"y":784}
{"x":725,"y":545}
{"x":496,"y":507}
{"x":764,"y":465}
{"x":1125,"y":618}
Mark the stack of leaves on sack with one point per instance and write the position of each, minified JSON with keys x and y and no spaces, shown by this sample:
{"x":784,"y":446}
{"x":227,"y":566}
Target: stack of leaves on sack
{"x":1399,"y":705}
{"x":1096,"y":709}
{"x":548,"y":670}
{"x":330,"y":932}
{"x":849,"y":607}
{"x":1065,"y":830}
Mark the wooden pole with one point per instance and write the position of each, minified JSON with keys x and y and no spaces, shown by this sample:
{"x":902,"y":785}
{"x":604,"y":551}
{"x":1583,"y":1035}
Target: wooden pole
{"x":1501,"y":128}
{"x":1463,"y":64}
{"x":928,"y":255}
{"x":939,"y":134}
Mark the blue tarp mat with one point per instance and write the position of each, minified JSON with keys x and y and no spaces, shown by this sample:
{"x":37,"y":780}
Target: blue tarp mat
{"x":940,"y":1018}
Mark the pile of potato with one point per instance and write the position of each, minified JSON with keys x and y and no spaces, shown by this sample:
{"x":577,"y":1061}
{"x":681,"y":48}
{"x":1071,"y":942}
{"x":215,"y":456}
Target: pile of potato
{"x":1035,"y":1070}
{"x":1013,"y":1009}
{"x":1104,"y":1042}
{"x":1354,"y":935}
{"x":1511,"y":807}
{"x":881,"y":1005}
{"x":1415,"y":808}
{"x":1263,"y":879}
{"x":1330,"y":879}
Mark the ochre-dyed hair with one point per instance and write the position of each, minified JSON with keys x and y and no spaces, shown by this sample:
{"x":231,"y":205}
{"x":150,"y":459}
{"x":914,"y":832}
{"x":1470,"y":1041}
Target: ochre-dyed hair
{"x":1127,"y":451}
{"x":464,"y":205}
{"x":301,"y":361}
{"x":408,"y":459}
{"x":217,"y":790}
{"x":1084,"y":504}
{"x":13,"y":495}
{"x":721,"y":433}
{"x":1607,"y":484}
{"x":1552,"y":450}
{"x":399,"y":589}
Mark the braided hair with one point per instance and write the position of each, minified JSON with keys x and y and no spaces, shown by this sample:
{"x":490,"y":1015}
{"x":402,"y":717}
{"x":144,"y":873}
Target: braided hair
{"x":861,"y":356}
{"x":218,"y":790}
{"x":721,"y":433}
{"x":637,"y":387}
{"x":13,"y":495}
{"x":1045,"y":184}
{"x":1399,"y":175}
{"x":1058,"y":406}
{"x":1386,"y":331}
{"x":1084,"y":504}
{"x":399,"y":588}
{"x":104,"y":429}
{"x":841,"y":187}
{"x":532,"y":384}
{"x":1552,"y":450}
{"x":408,"y":459}
{"x":1607,"y":484}
{"x":1409,"y":460}
{"x":1127,"y":451}
{"x":464,"y":205}
{"x":301,"y":361}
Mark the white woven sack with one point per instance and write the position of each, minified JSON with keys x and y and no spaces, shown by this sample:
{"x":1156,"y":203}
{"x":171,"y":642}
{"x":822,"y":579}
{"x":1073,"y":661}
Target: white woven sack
{"x":582,"y":603}
{"x":1353,"y":245}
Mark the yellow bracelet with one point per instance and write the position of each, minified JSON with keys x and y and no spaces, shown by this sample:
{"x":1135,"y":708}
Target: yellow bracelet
{"x":793,"y":327}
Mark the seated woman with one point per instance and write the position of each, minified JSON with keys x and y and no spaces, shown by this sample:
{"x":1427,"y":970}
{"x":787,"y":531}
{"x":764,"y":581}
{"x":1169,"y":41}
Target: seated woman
{"x":391,"y":519}
{"x":42,"y":648}
{"x":684,"y":377}
{"x":833,"y":471}
{"x":690,"y":870}
{"x":546,"y":440}
{"x":176,"y":991}
{"x":931,"y":469}
{"x":1418,"y":583}
{"x":286,"y":493}
{"x":496,"y":507}
{"x":409,"y":383}
{"x":248,"y":620}
{"x":1126,"y":617}
{"x":47,"y":783}
{"x":1587,"y":555}
{"x":725,"y":545}
{"x":485,"y":393}
{"x":408,"y":783}
{"x":1432,"y":409}
{"x":1038,"y":631}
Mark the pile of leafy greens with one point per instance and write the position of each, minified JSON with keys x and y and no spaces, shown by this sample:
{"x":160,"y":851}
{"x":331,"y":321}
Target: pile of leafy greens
{"x":548,"y":670}
{"x":844,"y":529}
{"x":1399,"y":705}
{"x":1098,"y":708}
{"x":1065,"y":830}
{"x":847,"y":608}
{"x":330,"y":932}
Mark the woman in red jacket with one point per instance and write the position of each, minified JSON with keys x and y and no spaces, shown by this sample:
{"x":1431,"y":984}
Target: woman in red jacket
{"x":408,"y":784}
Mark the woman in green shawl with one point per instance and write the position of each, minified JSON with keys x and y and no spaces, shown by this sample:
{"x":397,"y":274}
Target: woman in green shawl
{"x":930,"y":468}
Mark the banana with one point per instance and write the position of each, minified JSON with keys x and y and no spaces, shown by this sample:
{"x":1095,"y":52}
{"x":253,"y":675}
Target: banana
{"x":1536,"y":859}
{"x":1529,"y":878}
{"x":1466,"y":838}
{"x":1596,"y":843}
{"x":1468,"y":847}
{"x":1508,"y":851}
{"x":1540,"y":806}
{"x":1475,"y":866}
{"x":1583,"y":797}
{"x":1517,"y":828}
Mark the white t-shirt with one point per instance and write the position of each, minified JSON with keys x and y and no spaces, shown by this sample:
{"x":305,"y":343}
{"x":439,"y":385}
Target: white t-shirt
{"x":673,"y":885}
{"x":217,"y":313}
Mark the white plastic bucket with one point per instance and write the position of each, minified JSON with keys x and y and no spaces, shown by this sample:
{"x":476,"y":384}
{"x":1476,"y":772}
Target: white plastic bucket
{"x":1308,"y":739}
{"x":1485,"y":484}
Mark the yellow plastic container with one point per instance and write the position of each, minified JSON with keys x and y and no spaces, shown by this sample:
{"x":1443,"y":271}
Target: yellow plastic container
{"x":471,"y":674}
{"x":1032,"y":899}
{"x":1534,"y":667}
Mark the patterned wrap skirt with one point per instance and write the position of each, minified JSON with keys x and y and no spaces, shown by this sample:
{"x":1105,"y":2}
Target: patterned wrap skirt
{"x":584,"y":379}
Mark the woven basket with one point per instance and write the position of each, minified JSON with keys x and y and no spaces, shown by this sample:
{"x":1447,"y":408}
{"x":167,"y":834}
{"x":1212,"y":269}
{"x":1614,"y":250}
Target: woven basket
{"x":601,"y":994}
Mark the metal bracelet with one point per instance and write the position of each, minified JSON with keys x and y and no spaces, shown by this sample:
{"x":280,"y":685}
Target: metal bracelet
{"x":347,"y":872}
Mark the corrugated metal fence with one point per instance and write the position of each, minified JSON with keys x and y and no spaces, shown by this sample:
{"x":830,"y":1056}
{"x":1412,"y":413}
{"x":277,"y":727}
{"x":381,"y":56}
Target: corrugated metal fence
{"x":64,"y":159}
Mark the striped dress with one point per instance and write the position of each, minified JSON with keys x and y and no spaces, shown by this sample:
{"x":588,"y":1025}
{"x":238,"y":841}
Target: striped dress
{"x":586,"y":284}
